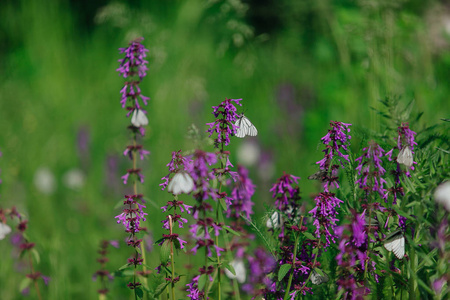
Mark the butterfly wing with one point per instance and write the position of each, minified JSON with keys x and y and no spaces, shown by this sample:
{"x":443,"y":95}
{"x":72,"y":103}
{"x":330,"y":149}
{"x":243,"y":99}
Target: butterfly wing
{"x":395,"y":243}
{"x":317,"y":279}
{"x":245,"y":127}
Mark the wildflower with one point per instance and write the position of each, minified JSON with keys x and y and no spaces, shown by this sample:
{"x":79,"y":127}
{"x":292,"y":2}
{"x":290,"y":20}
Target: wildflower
{"x":45,"y":181}
{"x":241,"y":195}
{"x":223,"y":125}
{"x":371,"y":171}
{"x":4,"y":230}
{"x":260,"y":264}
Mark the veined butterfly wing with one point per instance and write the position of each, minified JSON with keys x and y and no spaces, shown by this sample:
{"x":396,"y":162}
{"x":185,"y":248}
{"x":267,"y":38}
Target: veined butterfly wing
{"x":245,"y":127}
{"x":395,"y":242}
{"x":317,"y":279}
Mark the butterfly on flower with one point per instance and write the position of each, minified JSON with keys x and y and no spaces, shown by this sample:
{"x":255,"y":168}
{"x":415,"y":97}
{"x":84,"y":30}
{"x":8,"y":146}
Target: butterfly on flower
{"x":395,"y":242}
{"x":245,"y":127}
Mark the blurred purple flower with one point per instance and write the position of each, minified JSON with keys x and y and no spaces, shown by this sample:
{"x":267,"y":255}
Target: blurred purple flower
{"x":241,"y":195}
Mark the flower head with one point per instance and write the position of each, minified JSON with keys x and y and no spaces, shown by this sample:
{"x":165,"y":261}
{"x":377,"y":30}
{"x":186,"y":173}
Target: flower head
{"x":224,"y":126}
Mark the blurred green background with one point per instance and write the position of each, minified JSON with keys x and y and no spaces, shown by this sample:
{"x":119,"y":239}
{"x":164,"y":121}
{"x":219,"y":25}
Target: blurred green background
{"x":296,"y":64}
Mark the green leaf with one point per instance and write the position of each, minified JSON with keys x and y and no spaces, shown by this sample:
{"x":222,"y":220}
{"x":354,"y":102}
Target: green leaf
{"x":160,"y":288}
{"x":284,"y":269}
{"x":201,"y":281}
{"x":227,"y":228}
{"x":164,"y":254}
{"x":125,"y":266}
{"x":223,"y":204}
{"x":231,"y":269}
{"x":37,"y":258}
{"x":309,"y":236}
{"x":139,"y":292}
{"x":24,"y":283}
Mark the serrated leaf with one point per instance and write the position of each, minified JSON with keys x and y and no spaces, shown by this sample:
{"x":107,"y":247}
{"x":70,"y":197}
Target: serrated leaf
{"x":284,"y":269}
{"x":227,"y":228}
{"x":231,"y":269}
{"x":309,"y":236}
{"x":37,"y":258}
{"x":164,"y":254}
{"x":201,"y":281}
{"x":24,"y":283}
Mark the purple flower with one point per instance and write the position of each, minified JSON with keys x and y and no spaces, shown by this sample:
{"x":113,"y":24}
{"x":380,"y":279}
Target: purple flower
{"x":224,"y":124}
{"x":241,"y":195}
{"x":370,"y":170}
{"x":134,"y":61}
{"x":132,"y":214}
{"x":260,"y":265}
{"x":194,"y":292}
{"x":285,"y":193}
{"x":324,"y":215}
{"x":134,"y":67}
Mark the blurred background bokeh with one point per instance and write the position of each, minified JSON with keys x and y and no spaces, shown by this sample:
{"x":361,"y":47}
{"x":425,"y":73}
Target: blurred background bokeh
{"x":296,"y":64}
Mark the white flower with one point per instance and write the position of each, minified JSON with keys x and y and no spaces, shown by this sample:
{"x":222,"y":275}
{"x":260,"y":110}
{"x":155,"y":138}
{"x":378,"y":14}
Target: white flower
{"x":274,"y":221}
{"x":182,"y":182}
{"x":139,"y":118}
{"x":4,"y":230}
{"x":74,"y":179}
{"x":44,"y":180}
{"x":239,"y":269}
{"x":248,"y":153}
{"x":405,"y":157}
{"x":442,"y":194}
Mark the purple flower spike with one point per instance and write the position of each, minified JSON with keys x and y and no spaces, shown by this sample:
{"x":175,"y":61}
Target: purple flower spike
{"x":224,"y":124}
{"x":241,"y":195}
{"x":371,"y":171}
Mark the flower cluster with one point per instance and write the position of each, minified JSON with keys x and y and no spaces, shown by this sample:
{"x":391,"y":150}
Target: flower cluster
{"x":324,"y":214}
{"x":260,"y":264}
{"x":405,"y":143}
{"x":241,"y":195}
{"x":133,"y":67}
{"x":103,"y":273}
{"x":224,"y":124}
{"x":353,"y":258}
{"x":370,"y":170}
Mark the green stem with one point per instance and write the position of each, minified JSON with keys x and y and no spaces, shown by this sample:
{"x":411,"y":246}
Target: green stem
{"x":172,"y":259}
{"x":286,"y":295}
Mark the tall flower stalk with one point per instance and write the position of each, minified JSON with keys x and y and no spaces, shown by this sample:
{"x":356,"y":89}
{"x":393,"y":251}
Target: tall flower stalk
{"x":325,"y":214}
{"x":133,"y":68}
{"x":180,"y":182}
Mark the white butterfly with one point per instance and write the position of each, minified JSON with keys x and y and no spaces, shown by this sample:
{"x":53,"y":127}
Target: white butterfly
{"x":317,"y":279}
{"x":395,"y":242}
{"x":442,"y":194}
{"x":4,"y":230}
{"x":239,"y":269}
{"x":405,"y":157}
{"x":139,"y":118}
{"x":182,"y":182}
{"x":245,"y":127}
